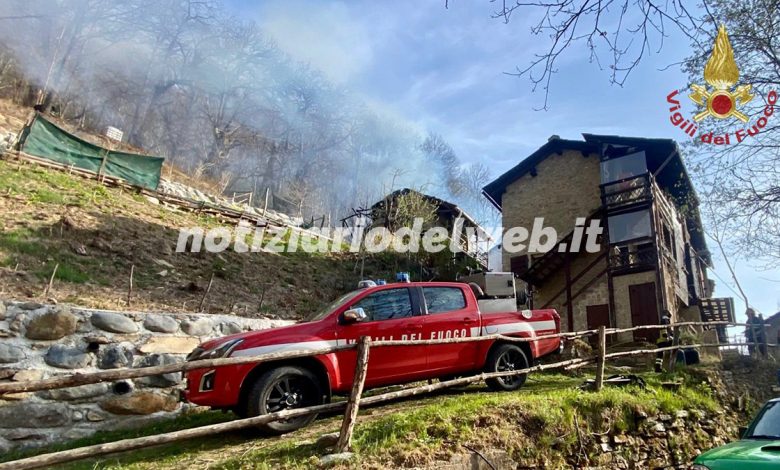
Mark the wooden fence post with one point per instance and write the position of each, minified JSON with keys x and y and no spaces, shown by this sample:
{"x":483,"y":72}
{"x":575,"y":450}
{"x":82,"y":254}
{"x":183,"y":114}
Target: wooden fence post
{"x":51,"y":280}
{"x":130,"y":286}
{"x":673,"y":353}
{"x":600,"y":360}
{"x":350,"y":414}
{"x":205,"y":294}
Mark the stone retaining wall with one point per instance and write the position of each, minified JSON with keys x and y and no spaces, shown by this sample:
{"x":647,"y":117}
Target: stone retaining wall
{"x":41,"y":341}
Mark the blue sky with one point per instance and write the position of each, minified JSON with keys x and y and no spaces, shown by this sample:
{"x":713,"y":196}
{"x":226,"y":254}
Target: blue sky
{"x":444,"y":70}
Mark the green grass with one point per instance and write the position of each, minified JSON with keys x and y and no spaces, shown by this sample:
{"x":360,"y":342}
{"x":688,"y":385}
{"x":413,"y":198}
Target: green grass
{"x":21,"y":241}
{"x":65,"y":272}
{"x":49,"y":187}
{"x":534,"y":423}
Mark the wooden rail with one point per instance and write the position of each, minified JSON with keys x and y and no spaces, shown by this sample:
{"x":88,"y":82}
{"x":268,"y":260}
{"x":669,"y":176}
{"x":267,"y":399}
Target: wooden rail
{"x":351,"y":406}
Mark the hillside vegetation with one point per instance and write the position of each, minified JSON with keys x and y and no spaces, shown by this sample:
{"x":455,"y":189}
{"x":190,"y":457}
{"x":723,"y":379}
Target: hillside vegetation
{"x":96,"y":234}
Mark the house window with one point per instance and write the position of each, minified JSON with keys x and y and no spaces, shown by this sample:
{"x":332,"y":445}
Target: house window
{"x":629,"y":226}
{"x":616,"y":169}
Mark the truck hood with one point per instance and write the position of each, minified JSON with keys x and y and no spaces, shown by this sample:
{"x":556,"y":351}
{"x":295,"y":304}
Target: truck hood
{"x":276,"y":335}
{"x":745,"y":454}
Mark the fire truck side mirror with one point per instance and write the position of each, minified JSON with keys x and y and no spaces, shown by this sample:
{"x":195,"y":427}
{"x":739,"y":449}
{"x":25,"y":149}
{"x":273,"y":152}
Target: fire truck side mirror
{"x":353,"y":315}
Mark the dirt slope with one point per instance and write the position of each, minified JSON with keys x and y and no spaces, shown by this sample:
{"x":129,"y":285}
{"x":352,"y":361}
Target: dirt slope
{"x":96,"y":234}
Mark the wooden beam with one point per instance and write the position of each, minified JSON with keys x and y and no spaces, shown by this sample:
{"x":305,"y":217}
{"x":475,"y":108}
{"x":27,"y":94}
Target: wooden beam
{"x":600,"y":360}
{"x":359,"y":380}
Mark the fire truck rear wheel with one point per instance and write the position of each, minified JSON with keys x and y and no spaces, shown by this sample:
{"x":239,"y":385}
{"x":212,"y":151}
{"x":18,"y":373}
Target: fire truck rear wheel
{"x":284,"y":388}
{"x":505,"y":358}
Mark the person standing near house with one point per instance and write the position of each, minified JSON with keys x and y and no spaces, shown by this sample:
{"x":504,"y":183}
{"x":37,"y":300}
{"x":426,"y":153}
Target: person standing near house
{"x":754,"y":332}
{"x":664,"y":341}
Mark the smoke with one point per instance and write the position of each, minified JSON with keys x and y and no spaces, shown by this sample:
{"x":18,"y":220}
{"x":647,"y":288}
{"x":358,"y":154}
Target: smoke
{"x":215,"y":95}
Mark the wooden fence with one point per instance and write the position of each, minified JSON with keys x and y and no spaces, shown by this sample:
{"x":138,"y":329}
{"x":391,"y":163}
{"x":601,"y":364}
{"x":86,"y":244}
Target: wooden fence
{"x":355,"y":400}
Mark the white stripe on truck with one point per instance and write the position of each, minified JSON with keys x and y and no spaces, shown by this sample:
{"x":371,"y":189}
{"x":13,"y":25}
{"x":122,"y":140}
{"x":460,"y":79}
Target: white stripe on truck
{"x":531,"y":328}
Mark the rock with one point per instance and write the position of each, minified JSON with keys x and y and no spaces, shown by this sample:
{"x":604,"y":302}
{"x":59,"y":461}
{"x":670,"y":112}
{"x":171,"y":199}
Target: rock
{"x":170,"y":345}
{"x":53,"y":325}
{"x":95,"y":416}
{"x":30,"y":306}
{"x":9,"y":354}
{"x":665,"y":418}
{"x":5,"y":446}
{"x":97,"y":339}
{"x":161,"y":324}
{"x":619,"y":438}
{"x":77,"y":416}
{"x":164,"y":380}
{"x":78,"y":393}
{"x":34,"y":415}
{"x":230,"y":328}
{"x":115,"y":356}
{"x":24,"y":435}
{"x":67,"y":358}
{"x":327,"y":440}
{"x":681,"y":414}
{"x":139,"y":403}
{"x":164,"y":263}
{"x":659,"y":428}
{"x":77,"y":433}
{"x":200,"y":327}
{"x":16,"y":324}
{"x":113,"y":322}
{"x":3,"y":310}
{"x":335,"y":459}
{"x":605,"y":447}
{"x":28,"y":375}
{"x":7,"y":373}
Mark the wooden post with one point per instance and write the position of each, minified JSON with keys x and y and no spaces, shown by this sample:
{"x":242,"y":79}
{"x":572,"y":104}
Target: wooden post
{"x":265,"y":206}
{"x":673,"y":353}
{"x":205,"y":294}
{"x":51,"y":280}
{"x":600,"y":360}
{"x":130,"y":285}
{"x":350,"y":414}
{"x":762,"y":347}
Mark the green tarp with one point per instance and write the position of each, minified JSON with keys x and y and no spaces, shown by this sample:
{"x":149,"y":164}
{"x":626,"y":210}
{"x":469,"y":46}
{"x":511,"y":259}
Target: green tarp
{"x":45,"y":139}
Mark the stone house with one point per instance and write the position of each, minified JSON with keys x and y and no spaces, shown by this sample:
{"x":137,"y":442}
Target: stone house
{"x":652,"y":255}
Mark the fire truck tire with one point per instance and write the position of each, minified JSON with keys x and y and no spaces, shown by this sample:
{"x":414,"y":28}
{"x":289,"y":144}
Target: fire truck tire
{"x":283,"y":388}
{"x":503,"y":358}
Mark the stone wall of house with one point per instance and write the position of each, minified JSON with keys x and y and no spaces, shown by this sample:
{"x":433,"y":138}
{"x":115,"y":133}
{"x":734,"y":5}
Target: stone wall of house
{"x":43,"y":341}
{"x":565,"y":187}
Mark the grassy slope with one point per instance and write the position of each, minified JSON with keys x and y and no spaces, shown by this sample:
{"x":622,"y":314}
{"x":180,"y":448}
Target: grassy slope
{"x":48,"y":217}
{"x":535,"y":423}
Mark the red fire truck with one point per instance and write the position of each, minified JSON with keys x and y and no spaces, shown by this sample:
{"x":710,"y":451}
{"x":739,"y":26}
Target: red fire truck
{"x":483,"y":305}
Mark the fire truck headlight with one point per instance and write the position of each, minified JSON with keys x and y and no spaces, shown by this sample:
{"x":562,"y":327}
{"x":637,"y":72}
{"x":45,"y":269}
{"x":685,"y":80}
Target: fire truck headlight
{"x":220,"y":351}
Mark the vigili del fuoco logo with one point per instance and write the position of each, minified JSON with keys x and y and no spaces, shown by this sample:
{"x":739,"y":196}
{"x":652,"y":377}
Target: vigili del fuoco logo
{"x":720,"y":99}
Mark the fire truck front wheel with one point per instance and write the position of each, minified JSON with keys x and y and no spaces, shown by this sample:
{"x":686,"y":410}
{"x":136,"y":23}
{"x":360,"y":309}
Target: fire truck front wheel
{"x":506,"y":358}
{"x":284,"y":388}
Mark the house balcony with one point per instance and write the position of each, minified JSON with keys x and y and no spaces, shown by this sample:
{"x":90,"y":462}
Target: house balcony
{"x":625,"y":259}
{"x":627,"y":193}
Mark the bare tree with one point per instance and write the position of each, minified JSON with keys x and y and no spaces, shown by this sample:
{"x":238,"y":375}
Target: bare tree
{"x":616,"y":33}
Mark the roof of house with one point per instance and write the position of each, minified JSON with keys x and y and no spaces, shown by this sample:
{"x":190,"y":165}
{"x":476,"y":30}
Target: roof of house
{"x":663,"y":161}
{"x":443,"y":206}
